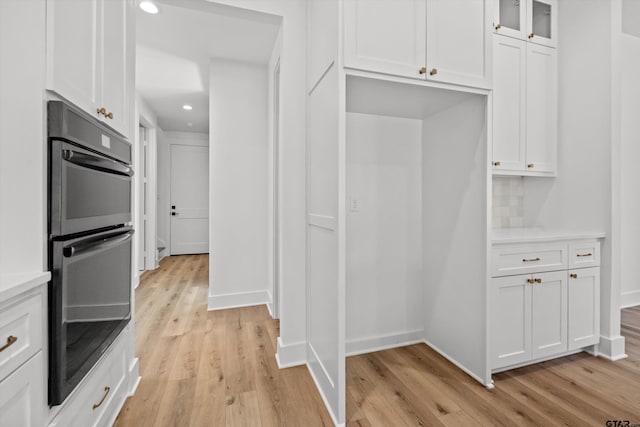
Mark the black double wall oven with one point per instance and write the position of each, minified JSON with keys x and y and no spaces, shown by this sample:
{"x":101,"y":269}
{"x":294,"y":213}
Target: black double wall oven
{"x":90,"y":240}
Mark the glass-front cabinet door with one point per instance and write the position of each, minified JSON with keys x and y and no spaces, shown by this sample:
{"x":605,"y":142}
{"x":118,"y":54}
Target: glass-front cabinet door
{"x":510,"y":18}
{"x":542,"y":17}
{"x":532,"y":20}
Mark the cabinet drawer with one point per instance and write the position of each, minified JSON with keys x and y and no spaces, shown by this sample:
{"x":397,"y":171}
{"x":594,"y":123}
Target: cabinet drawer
{"x":101,"y":391}
{"x":23,"y":396}
{"x":511,"y":260}
{"x":585,"y":254}
{"x":21,"y":329}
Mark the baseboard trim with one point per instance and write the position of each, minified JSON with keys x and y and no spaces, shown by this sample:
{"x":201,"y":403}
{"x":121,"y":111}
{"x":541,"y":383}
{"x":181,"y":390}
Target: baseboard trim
{"x":135,"y":281}
{"x":611,"y":348}
{"x":239,"y":299}
{"x":629,"y":299}
{"x":270,"y":304}
{"x":488,"y":385}
{"x":383,"y":342}
{"x":134,"y":376}
{"x":291,"y":355}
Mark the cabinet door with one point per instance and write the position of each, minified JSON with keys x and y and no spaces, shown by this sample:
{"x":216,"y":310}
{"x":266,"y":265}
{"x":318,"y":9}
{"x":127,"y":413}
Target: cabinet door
{"x":23,"y":396}
{"x":386,"y":36}
{"x":584,"y":307}
{"x":509,"y":105}
{"x":72,"y":51}
{"x":510,"y":320}
{"x":542,"y":105}
{"x":458,"y":42}
{"x":116,"y":63}
{"x":509,"y":18}
{"x":542,"y":22}
{"x":549,"y":314}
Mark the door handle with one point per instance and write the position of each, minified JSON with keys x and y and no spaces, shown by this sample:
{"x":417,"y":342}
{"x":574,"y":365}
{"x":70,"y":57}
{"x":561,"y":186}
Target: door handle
{"x":174,"y":213}
{"x":173,"y":206}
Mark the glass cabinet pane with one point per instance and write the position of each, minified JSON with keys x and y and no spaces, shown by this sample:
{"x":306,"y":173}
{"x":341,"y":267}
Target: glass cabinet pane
{"x":510,"y":14}
{"x":541,"y":19}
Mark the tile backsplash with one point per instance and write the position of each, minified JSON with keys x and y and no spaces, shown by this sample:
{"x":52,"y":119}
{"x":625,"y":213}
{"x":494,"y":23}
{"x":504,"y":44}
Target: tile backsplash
{"x":508,"y":201}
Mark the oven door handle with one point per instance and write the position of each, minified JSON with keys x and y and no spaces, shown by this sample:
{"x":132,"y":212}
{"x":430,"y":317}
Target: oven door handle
{"x":96,"y":162}
{"x":87,"y":248}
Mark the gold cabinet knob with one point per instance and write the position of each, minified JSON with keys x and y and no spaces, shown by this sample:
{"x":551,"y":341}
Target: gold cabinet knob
{"x":531,"y":35}
{"x":498,"y":26}
{"x":423,"y":70}
{"x":109,"y":116}
{"x":496,"y":163}
{"x":537,"y":280}
{"x":530,"y":281}
{"x":573,"y":275}
{"x":530,"y":165}
{"x":102,"y":111}
{"x":433,"y":72}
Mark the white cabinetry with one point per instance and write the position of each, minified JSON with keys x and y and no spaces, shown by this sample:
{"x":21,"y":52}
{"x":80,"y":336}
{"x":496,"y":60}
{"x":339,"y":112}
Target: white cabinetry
{"x":440,"y":40}
{"x":23,"y":379}
{"x":533,"y":20}
{"x":88,"y":61}
{"x":549,"y":312}
{"x":525,"y":108}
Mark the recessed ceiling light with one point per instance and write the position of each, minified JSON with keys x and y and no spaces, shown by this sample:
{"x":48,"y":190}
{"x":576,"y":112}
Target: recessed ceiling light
{"x":149,"y":7}
{"x":187,"y":107}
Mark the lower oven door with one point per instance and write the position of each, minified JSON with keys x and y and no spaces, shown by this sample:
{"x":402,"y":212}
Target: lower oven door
{"x":90,"y":303}
{"x":88,"y":191}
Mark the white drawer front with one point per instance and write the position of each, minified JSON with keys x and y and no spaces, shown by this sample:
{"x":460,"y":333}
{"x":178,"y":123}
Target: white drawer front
{"x":585,"y":254}
{"x":23,"y":395}
{"x":102,"y":389}
{"x":510,"y":260}
{"x":21,"y":332}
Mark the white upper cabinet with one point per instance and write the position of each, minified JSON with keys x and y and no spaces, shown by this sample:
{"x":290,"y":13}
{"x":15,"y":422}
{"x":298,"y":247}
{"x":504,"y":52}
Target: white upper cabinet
{"x":533,"y":20}
{"x":542,"y":107}
{"x":525,"y":135}
{"x":440,"y":40}
{"x":458,"y":42}
{"x":386,"y":36}
{"x":88,"y":60}
{"x":509,"y":103}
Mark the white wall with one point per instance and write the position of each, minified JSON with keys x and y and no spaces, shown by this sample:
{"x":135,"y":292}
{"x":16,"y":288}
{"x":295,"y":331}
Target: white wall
{"x":23,"y":143}
{"x":455,"y":185}
{"x":628,"y":99}
{"x":581,"y":196}
{"x":384,"y":286}
{"x":239,"y":185}
{"x":291,"y":345}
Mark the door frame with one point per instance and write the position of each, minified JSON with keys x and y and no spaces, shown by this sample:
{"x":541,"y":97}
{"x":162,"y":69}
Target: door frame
{"x":275,"y":253}
{"x":150,"y":236}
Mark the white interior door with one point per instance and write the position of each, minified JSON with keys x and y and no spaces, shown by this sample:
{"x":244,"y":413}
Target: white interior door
{"x":189,"y":199}
{"x":142,"y":194}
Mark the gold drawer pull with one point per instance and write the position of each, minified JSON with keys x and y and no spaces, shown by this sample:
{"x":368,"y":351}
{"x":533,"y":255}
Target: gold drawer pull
{"x":589,"y":254}
{"x":107,"y":389}
{"x":531,"y":260}
{"x":496,"y":163}
{"x":433,"y":72}
{"x":423,"y":70}
{"x":573,"y":275}
{"x":536,"y":280}
{"x":109,"y":116}
{"x":530,"y":165}
{"x":11,"y":340}
{"x":530,"y":281}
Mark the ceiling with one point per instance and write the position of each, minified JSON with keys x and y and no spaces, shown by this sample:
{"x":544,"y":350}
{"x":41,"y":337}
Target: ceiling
{"x":175,"y":46}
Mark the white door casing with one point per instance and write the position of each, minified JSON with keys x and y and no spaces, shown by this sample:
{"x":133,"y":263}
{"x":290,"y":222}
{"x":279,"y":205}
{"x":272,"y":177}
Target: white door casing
{"x":189,"y":195}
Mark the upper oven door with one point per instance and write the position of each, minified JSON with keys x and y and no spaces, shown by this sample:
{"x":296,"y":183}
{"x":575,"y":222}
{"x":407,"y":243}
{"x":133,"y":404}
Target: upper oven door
{"x":87,"y":190}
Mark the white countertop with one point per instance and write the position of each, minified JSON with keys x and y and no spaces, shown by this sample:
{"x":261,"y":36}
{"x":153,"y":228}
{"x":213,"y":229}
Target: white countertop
{"x":533,"y":235}
{"x":15,"y":284}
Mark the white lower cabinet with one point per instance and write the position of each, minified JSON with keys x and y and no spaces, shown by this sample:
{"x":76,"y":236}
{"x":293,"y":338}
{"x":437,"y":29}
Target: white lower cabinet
{"x":97,"y":400}
{"x":584,"y":307}
{"x":544,"y":314}
{"x":22,"y":395}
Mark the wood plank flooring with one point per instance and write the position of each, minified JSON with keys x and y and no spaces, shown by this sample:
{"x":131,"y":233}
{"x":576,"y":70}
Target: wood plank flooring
{"x":210,"y":368}
{"x":203,"y":368}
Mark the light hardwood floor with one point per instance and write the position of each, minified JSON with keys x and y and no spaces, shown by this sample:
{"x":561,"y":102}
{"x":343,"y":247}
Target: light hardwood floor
{"x":203,"y":368}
